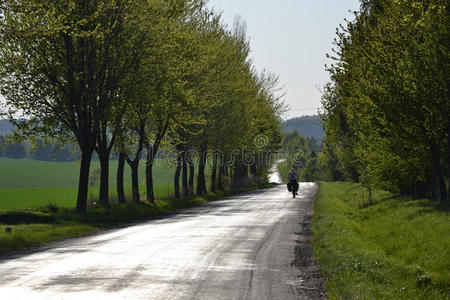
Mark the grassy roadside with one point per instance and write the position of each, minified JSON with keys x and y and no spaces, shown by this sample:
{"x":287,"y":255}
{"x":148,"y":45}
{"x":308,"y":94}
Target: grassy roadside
{"x":398,"y":248}
{"x":40,"y":226}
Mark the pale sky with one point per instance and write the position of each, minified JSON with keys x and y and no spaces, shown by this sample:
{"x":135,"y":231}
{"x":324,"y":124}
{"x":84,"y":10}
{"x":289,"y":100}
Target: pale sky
{"x":291,"y":38}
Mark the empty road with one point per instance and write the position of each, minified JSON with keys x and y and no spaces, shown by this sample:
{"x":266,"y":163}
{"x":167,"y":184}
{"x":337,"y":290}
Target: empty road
{"x":238,"y":248}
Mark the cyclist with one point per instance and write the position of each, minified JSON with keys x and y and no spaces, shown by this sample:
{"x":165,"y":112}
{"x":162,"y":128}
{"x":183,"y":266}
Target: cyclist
{"x":293,"y":177}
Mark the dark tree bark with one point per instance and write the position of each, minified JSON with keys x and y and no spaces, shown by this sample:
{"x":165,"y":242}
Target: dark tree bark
{"x":214,"y":174}
{"x":149,"y":181}
{"x":103,"y":148}
{"x":440,"y":174}
{"x":83,"y":183}
{"x":134,"y":164}
{"x":434,"y":194}
{"x":152,"y":150}
{"x":120,"y":171}
{"x":254,"y":170}
{"x":448,"y":158}
{"x":220,"y":179}
{"x":103,"y":157}
{"x":184,"y":178}
{"x":201,"y":182}
{"x":176,"y":179}
{"x":191,"y":175}
{"x":225,"y":170}
{"x":239,"y":171}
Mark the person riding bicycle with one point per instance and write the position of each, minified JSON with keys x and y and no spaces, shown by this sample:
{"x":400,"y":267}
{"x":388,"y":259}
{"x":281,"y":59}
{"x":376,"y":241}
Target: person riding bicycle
{"x":293,"y":177}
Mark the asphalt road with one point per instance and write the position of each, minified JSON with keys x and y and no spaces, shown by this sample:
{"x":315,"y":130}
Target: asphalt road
{"x":238,"y":248}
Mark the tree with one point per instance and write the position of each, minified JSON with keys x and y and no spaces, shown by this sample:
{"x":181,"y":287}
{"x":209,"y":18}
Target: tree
{"x":15,"y":150}
{"x":388,"y":100}
{"x":61,"y":64}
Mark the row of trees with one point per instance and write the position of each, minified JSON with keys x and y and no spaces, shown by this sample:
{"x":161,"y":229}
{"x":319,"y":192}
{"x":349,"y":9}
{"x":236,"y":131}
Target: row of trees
{"x":46,"y":151}
{"x":387,"y":106}
{"x":135,"y":77}
{"x":11,"y":150}
{"x":304,"y":155}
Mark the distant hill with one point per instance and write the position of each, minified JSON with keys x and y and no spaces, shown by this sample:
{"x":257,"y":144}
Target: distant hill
{"x":308,"y":126}
{"x":5,"y":127}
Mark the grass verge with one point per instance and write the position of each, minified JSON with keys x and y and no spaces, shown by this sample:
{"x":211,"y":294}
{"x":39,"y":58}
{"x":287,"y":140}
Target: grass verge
{"x":44,"y":225}
{"x":398,"y":248}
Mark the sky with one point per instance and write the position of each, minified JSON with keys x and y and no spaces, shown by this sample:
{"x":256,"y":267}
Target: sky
{"x":291,"y":38}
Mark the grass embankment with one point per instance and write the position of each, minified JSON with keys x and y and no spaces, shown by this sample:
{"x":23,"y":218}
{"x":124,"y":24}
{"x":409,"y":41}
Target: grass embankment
{"x":398,"y":248}
{"x":32,"y":227}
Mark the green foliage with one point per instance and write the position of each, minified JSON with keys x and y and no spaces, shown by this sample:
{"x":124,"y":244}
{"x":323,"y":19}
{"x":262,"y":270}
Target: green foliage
{"x":134,"y":76}
{"x":394,"y":249}
{"x":387,"y":108}
{"x":302,"y":156}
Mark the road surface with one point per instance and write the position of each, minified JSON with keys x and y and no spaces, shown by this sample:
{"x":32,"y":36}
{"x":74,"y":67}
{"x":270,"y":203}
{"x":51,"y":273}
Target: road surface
{"x":238,"y":248}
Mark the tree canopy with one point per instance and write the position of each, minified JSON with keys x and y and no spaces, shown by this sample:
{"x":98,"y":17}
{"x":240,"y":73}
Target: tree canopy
{"x":137,"y":77}
{"x":387,"y":106}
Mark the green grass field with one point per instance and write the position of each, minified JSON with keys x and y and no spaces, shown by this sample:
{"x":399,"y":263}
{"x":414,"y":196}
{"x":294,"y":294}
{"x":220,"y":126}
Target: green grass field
{"x":398,"y":248}
{"x":26,"y":183}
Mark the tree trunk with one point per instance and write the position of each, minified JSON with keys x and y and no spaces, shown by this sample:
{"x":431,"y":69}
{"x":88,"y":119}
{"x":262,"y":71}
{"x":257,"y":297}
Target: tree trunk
{"x":149,"y":173}
{"x":434,"y":195}
{"x":149,"y":183}
{"x":83,"y":183}
{"x":220,"y":183}
{"x":191,"y":176}
{"x":448,"y":158}
{"x":120,"y":170}
{"x":214,"y":174}
{"x":201,"y":182}
{"x":176,"y":179}
{"x":151,"y":154}
{"x":103,"y":156}
{"x":440,"y":174}
{"x":239,"y":170}
{"x":225,"y":170}
{"x":253,"y":170}
{"x":134,"y":165}
{"x":184,"y":178}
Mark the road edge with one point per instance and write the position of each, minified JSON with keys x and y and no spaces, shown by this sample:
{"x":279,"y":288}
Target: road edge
{"x":309,"y":276}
